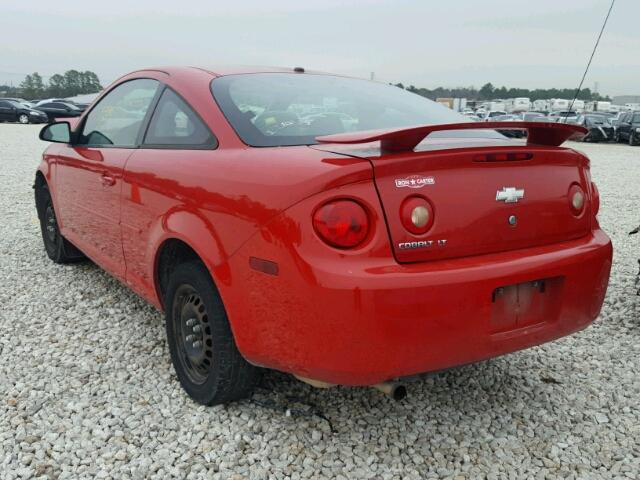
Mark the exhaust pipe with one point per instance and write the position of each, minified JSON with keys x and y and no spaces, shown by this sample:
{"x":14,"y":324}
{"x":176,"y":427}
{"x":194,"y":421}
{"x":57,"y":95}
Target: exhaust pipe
{"x":395,"y":390}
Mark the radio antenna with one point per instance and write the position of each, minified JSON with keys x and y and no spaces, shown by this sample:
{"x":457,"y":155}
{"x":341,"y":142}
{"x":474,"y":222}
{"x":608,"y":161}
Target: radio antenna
{"x":595,"y":47}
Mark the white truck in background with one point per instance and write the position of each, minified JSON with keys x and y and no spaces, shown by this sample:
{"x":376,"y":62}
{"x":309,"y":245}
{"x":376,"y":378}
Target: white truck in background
{"x":493,"y":105}
{"x":559,"y":104}
{"x":599,"y":106}
{"x":456,"y":104}
{"x":578,"y":105}
{"x":517,"y":105}
{"x":540,"y":105}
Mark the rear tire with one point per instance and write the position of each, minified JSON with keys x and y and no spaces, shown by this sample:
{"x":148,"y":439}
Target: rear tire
{"x":58,"y":248}
{"x":203,"y":351}
{"x":632,"y":139}
{"x":23,"y":118}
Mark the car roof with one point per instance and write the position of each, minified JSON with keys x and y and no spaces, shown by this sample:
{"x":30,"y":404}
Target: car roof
{"x":222,"y":70}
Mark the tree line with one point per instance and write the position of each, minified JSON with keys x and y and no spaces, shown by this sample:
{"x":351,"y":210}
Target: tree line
{"x":68,"y":84}
{"x":74,"y":82}
{"x":489,"y":92}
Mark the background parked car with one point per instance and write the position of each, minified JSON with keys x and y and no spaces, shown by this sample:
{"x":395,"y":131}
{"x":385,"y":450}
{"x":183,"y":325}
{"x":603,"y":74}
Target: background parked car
{"x":20,"y":100}
{"x":13,"y":111}
{"x":564,"y":116}
{"x":15,"y":99}
{"x":490,"y":116}
{"x":59,"y":110}
{"x":533,"y":117}
{"x":509,"y":118}
{"x":81,"y":106}
{"x":628,"y":129}
{"x":599,"y":126}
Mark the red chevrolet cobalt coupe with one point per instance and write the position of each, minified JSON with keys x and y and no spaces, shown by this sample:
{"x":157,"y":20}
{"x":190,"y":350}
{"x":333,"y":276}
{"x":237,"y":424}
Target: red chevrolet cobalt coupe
{"x":345,"y":231}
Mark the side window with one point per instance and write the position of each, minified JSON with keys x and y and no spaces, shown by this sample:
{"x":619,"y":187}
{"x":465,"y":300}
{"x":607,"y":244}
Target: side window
{"x":175,"y":123}
{"x":4,"y":104}
{"x":116,"y":120}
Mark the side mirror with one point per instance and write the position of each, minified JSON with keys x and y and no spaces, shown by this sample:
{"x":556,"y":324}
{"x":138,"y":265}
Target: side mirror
{"x":59,"y":132}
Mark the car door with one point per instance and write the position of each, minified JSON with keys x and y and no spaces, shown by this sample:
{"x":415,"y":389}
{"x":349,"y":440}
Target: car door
{"x":89,"y":176}
{"x":634,"y":122}
{"x":7,"y":111}
{"x":62,"y":111}
{"x":55,"y":110}
{"x":624,"y":127}
{"x":51,"y":111}
{"x":177,"y":140}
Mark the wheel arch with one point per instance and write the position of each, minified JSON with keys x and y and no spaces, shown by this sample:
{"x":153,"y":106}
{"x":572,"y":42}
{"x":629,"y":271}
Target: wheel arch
{"x":176,"y":247}
{"x":39,"y":182}
{"x":172,"y":252}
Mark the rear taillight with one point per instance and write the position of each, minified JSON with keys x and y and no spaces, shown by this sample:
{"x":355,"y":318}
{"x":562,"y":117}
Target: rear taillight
{"x":576,"y":199}
{"x":416,"y":214}
{"x":595,"y":202}
{"x":341,"y":223}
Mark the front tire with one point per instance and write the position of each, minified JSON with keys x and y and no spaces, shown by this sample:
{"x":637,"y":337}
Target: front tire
{"x":203,"y":351}
{"x":58,"y":248}
{"x":632,"y":139}
{"x":23,"y":118}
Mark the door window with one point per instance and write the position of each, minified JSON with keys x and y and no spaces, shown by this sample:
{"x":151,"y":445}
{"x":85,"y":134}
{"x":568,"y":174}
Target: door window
{"x":116,"y":120}
{"x":174,"y":123}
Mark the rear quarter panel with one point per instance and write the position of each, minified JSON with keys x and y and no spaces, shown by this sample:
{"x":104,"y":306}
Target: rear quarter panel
{"x":215,"y":200}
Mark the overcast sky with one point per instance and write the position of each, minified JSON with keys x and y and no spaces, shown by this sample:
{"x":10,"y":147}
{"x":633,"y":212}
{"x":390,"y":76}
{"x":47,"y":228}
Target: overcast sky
{"x":519,"y":43}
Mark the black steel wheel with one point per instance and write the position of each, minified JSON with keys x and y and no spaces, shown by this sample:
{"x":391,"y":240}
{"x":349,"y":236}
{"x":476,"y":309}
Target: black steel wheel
{"x":203,"y":351}
{"x":58,"y":248}
{"x":193,"y":334}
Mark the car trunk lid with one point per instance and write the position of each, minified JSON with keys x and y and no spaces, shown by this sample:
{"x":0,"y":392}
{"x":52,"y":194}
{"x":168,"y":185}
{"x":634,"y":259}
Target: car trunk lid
{"x":486,"y":196}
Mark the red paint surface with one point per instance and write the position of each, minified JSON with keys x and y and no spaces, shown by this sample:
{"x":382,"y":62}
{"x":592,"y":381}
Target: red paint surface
{"x":350,"y":316}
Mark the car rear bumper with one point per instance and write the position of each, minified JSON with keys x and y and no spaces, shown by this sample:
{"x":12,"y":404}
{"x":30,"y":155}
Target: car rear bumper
{"x":354,"y":324}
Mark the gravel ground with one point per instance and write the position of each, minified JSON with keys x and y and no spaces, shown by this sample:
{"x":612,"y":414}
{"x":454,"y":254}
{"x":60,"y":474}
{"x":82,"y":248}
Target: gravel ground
{"x":87,"y":390}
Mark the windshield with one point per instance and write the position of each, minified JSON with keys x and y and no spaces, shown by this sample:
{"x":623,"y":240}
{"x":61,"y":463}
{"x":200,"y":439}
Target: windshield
{"x":278,"y":109}
{"x":596,"y":120}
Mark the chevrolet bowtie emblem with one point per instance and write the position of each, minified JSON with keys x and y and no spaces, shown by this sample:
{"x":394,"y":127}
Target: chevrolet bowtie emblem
{"x":509,"y":194}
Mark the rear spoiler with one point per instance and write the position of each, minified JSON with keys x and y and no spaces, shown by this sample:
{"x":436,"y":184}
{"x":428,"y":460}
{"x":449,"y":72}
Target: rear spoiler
{"x":406,"y":139}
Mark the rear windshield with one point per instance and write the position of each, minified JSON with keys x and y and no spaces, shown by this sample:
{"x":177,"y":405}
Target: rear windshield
{"x":278,"y":109}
